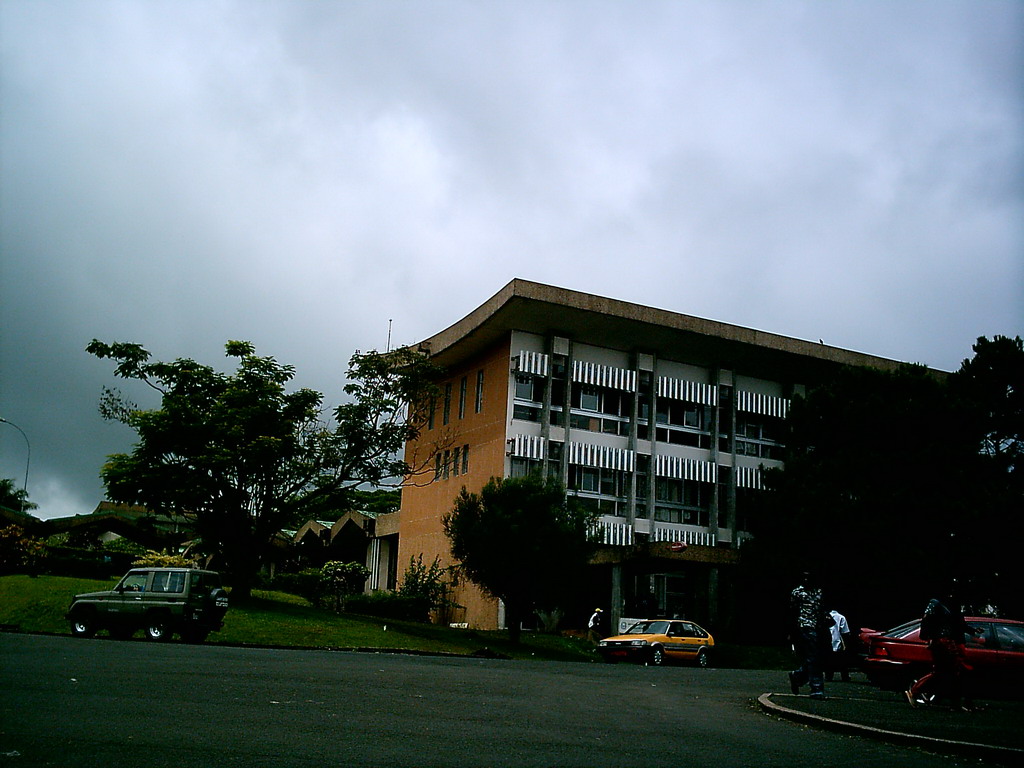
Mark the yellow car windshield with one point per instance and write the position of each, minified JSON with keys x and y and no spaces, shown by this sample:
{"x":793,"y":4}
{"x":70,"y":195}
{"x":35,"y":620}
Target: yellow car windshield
{"x":648,"y":628}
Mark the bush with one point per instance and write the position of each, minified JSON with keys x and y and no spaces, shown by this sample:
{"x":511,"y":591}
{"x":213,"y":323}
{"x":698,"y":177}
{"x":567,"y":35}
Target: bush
{"x":305,"y":584}
{"x":86,"y":563}
{"x":389,"y":605}
{"x":154,"y":559}
{"x":19,"y":553}
{"x":428,"y":586}
{"x":340,"y":580}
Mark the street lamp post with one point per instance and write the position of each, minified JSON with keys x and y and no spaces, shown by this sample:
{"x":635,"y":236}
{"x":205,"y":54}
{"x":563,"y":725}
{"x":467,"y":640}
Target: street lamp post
{"x":28,"y":460}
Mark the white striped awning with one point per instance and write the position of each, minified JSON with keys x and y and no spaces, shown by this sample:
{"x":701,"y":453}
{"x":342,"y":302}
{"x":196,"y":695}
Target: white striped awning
{"x":685,"y":535}
{"x":533,"y":362}
{"x":685,"y":469}
{"x":691,"y":391}
{"x":767,"y":405}
{"x":528,"y":446}
{"x":588,"y":455}
{"x":603,"y":375}
{"x":748,"y":477}
{"x":615,"y":534}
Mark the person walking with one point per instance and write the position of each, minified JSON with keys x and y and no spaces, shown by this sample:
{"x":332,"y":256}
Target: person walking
{"x":839,"y":653}
{"x":594,"y":626}
{"x":808,"y":620}
{"x":944,"y":628}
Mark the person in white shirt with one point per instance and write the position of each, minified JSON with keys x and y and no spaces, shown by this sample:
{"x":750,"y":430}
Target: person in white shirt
{"x":838,"y":659}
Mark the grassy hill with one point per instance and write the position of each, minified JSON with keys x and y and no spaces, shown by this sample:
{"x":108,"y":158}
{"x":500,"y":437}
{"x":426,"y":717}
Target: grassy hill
{"x":282,"y":620}
{"x":277,"y":619}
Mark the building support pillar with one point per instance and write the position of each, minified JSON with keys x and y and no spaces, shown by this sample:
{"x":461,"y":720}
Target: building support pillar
{"x":713,"y":596}
{"x":615,"y":602}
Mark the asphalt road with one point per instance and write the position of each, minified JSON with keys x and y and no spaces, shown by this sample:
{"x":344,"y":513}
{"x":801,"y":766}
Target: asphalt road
{"x":103,"y":703}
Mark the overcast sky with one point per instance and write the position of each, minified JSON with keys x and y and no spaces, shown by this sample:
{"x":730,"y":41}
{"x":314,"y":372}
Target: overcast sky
{"x":297,"y":174}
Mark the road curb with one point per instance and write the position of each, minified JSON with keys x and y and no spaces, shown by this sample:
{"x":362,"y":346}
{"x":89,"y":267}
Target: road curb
{"x":945,"y":746}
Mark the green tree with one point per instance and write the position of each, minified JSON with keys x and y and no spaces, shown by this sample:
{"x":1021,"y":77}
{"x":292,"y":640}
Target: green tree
{"x":521,"y":541}
{"x":991,"y":387}
{"x":878,"y":495}
{"x":246,"y":456}
{"x":14,"y":498}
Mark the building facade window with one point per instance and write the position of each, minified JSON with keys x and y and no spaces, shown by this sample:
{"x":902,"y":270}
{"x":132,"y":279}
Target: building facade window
{"x":758,"y":435}
{"x":529,"y":388}
{"x":479,"y":404}
{"x":465,"y":459}
{"x":456,"y":465}
{"x":462,"y":398}
{"x":682,"y":501}
{"x":521,"y":467}
{"x":446,"y":415}
{"x":606,"y":488}
{"x":526,"y":412}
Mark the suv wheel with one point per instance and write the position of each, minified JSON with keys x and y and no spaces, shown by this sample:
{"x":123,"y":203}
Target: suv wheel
{"x":157,"y":628}
{"x":83,"y":624}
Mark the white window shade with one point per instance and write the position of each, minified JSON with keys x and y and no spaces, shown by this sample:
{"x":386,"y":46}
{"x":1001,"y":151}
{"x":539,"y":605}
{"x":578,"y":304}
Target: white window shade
{"x":533,"y":362}
{"x":527,"y":447}
{"x":691,"y":391}
{"x":748,"y":477}
{"x":603,"y":375}
{"x":766,"y":405}
{"x":587,"y":455}
{"x":686,"y":469}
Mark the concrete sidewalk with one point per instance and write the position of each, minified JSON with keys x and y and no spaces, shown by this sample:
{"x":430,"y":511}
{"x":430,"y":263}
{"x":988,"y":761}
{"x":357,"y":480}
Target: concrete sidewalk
{"x":994,"y":732}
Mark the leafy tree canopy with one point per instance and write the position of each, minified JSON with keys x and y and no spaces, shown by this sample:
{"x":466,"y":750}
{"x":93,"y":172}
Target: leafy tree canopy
{"x":897,"y":485}
{"x":522,"y":541}
{"x":14,"y":498}
{"x":246,"y":456}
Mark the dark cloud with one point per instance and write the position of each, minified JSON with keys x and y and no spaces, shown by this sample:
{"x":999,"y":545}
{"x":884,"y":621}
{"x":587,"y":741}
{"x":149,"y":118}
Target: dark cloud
{"x":300,"y":173}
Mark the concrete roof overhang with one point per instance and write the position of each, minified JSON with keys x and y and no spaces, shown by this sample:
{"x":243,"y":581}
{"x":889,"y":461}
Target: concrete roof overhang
{"x":547,"y":310}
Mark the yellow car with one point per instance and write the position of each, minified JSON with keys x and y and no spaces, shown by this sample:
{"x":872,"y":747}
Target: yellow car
{"x":657,"y":641}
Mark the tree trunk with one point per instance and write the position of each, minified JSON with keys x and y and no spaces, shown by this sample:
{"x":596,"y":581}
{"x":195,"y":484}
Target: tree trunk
{"x":514,"y":620}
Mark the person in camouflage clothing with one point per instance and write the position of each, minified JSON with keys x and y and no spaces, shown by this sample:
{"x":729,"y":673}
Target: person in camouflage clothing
{"x":807,"y":612}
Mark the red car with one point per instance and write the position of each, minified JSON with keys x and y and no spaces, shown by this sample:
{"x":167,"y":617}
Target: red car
{"x":994,"y":647}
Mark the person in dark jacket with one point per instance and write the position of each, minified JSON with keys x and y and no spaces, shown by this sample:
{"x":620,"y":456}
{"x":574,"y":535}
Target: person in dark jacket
{"x":943,"y":626}
{"x":807,"y":636}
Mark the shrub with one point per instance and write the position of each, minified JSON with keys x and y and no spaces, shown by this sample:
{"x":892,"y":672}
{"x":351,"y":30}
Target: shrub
{"x":427,"y":586}
{"x":121,"y":544}
{"x":85,"y":563}
{"x":154,"y":559}
{"x":340,"y":580}
{"x":305,"y":584}
{"x":18,"y":552}
{"x":388,"y":605}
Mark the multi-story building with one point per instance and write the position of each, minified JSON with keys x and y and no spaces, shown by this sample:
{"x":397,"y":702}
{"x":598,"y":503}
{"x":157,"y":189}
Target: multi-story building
{"x":661,"y":422}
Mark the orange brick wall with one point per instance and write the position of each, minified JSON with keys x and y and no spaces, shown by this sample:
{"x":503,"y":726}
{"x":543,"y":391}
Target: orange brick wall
{"x":426,"y":501}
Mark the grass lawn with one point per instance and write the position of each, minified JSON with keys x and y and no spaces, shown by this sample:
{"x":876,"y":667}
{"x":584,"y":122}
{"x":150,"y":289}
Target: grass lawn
{"x":278,"y":619}
{"x":282,"y":620}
